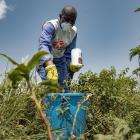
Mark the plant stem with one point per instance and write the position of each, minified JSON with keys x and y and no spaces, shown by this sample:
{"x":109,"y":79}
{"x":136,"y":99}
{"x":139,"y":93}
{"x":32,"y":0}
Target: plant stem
{"x":44,"y":119}
{"x":75,"y":116}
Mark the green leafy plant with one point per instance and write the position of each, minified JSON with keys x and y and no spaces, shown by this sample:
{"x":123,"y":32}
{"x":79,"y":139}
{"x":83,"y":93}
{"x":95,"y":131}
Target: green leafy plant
{"x":113,"y":112}
{"x":23,"y":70}
{"x":137,"y":10}
{"x":136,"y":72}
{"x":114,"y":96}
{"x":135,"y":52}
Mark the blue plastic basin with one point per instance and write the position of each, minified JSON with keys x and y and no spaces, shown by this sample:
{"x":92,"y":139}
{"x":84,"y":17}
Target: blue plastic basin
{"x":65,"y":117}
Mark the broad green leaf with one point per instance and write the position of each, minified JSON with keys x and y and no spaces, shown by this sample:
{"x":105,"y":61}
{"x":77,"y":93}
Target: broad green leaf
{"x":134,"y":52}
{"x":10,"y":59}
{"x":35,"y":59}
{"x":18,"y":74}
{"x":137,"y":10}
{"x":15,"y":77}
{"x":23,"y":71}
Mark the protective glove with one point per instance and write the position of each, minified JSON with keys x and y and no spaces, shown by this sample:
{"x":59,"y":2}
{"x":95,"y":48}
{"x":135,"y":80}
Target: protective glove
{"x":75,"y":68}
{"x":51,"y":74}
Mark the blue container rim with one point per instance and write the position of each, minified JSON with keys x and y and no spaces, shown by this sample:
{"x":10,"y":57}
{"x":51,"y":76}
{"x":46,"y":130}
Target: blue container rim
{"x":67,"y":94}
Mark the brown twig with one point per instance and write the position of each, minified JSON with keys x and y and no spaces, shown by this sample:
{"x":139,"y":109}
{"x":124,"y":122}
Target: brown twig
{"x":45,"y":121}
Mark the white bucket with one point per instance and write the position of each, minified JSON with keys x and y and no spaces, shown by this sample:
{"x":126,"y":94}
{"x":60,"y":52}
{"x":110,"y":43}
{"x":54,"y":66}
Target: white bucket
{"x":76,"y":57}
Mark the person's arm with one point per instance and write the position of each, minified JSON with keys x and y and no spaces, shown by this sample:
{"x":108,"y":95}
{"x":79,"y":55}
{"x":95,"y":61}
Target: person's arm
{"x":45,"y":43}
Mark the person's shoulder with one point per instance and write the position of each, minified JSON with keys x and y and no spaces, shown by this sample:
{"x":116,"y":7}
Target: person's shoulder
{"x":74,"y":28}
{"x":53,"y":22}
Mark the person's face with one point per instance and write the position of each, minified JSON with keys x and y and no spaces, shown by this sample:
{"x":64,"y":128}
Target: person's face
{"x":68,"y":18}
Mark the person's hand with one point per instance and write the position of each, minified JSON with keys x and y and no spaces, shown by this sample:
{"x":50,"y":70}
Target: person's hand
{"x":51,"y":74}
{"x":75,"y":68}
